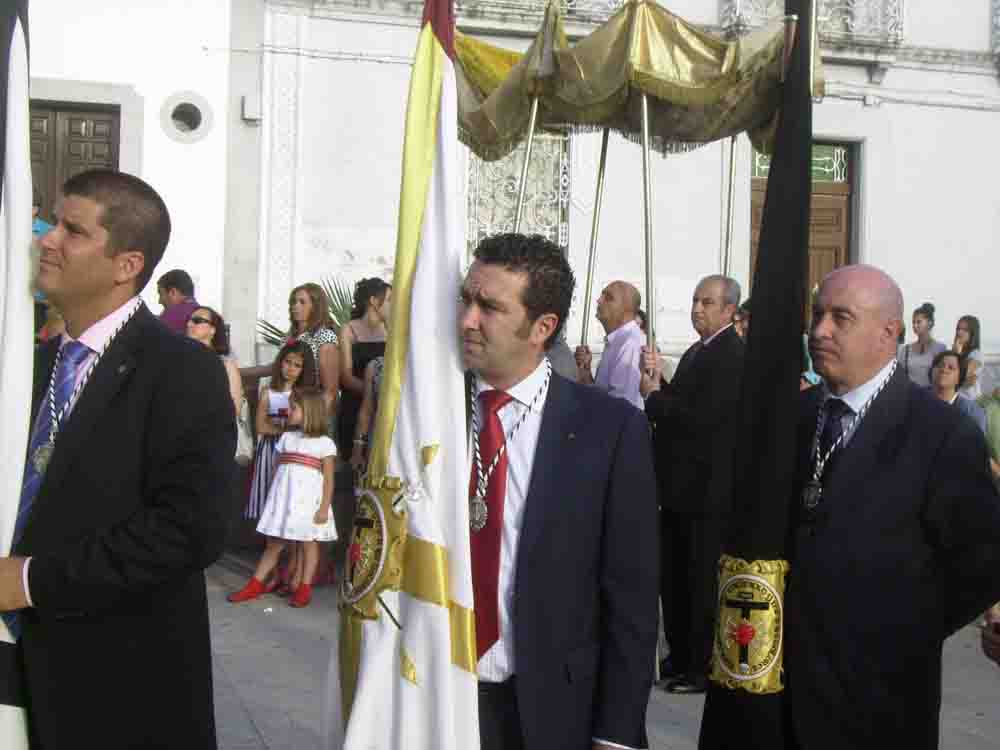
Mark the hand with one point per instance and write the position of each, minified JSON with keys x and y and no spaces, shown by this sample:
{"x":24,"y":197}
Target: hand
{"x":358,"y":458}
{"x":995,"y":468}
{"x":12,"y":594}
{"x":650,"y":362}
{"x":991,"y":635}
{"x":583,"y":358}
{"x":322,"y":516}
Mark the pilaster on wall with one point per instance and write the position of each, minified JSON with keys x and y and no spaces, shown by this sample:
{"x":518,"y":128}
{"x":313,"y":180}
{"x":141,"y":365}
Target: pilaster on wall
{"x":282,"y":94}
{"x":996,"y":32}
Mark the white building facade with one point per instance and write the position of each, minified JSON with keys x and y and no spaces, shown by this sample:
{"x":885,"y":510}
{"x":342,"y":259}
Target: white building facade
{"x":289,"y":169}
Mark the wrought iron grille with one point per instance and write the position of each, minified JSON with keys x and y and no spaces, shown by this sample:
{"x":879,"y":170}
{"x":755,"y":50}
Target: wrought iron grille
{"x":493,"y":192}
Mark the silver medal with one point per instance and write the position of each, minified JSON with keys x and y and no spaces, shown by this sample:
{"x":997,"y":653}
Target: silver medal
{"x":42,"y":456}
{"x":812,"y":494}
{"x":478,"y":513}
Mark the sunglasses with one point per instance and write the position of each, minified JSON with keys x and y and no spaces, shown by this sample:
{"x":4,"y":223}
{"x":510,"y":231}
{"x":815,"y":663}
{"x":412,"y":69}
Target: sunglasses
{"x":197,"y":321}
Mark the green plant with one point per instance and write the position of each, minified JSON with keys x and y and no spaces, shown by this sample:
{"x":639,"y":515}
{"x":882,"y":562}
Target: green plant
{"x":339,"y":300}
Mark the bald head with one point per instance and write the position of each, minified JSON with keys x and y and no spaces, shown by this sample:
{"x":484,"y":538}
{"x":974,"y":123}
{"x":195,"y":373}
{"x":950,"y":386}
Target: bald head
{"x":617,"y":305}
{"x":881,"y":290}
{"x":857,"y":318}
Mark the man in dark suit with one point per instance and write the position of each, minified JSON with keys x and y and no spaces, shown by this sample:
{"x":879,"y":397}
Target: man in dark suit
{"x":895,"y":540}
{"x":693,"y":419}
{"x":563,"y":537}
{"x":123,"y":501}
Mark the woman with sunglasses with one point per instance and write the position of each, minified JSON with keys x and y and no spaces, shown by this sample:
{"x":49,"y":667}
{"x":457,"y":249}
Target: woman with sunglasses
{"x":207,"y":327}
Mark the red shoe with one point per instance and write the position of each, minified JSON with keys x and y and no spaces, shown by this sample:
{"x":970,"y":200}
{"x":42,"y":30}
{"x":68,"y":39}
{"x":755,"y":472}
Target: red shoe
{"x":271,"y":586}
{"x":252,"y":590}
{"x":302,"y":596}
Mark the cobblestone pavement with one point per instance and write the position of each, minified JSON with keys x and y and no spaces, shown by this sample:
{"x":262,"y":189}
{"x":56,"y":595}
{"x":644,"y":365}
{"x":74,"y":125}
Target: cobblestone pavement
{"x":271,"y":663}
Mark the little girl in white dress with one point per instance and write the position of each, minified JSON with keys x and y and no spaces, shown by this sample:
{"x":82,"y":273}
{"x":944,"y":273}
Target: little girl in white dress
{"x":299,"y":498}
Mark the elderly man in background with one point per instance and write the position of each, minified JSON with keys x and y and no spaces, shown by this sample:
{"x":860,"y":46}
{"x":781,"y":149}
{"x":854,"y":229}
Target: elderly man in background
{"x":618,"y":371}
{"x":693,"y":420}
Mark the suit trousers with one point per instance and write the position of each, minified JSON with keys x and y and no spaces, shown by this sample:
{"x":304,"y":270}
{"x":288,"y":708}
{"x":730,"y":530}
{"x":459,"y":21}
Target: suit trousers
{"x":691,"y":546}
{"x":499,"y":720}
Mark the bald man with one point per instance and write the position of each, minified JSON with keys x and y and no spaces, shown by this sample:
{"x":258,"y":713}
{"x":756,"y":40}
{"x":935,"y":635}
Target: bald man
{"x":895,"y":537}
{"x":618,"y":371}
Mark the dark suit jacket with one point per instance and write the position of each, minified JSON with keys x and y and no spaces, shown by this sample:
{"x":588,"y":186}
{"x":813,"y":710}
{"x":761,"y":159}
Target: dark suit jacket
{"x":116,"y":649}
{"x":586,"y":583}
{"x":695,"y":418}
{"x":904,"y":552}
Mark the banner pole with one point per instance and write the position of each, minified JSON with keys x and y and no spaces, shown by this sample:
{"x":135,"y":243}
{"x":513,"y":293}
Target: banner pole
{"x":524,"y":167}
{"x":591,"y":261}
{"x":648,"y":215}
{"x":727,"y":252}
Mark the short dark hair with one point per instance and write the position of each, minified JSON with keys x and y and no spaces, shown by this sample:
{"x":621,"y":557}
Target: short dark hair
{"x":177,"y":279}
{"x":963,"y":365}
{"x":309,"y":377}
{"x":134,"y":215}
{"x":550,"y":278}
{"x":220,"y":339}
{"x":364,"y":290}
{"x":926,"y":310}
{"x":973,"y":322}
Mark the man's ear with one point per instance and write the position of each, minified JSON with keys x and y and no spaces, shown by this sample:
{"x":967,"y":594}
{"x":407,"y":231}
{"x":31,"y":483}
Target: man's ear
{"x":129,"y":264}
{"x":544,"y":326}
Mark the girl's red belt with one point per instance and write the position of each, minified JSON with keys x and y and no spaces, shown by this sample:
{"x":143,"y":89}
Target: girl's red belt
{"x":301,"y":459}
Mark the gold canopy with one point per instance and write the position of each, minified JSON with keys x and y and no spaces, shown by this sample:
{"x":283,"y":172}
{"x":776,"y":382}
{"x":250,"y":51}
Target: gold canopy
{"x":700,"y":87}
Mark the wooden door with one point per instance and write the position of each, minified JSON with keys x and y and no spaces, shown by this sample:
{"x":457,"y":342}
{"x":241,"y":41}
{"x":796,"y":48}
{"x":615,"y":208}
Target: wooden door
{"x":66,"y":140}
{"x":829,"y":226}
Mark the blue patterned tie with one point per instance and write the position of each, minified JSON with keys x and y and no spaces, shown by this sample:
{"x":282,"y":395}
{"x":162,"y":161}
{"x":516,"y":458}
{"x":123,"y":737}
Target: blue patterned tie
{"x":73,"y":355}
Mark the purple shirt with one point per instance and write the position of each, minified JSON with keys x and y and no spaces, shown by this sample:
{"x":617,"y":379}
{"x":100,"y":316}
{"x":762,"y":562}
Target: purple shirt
{"x":175,"y":317}
{"x":618,"y":372}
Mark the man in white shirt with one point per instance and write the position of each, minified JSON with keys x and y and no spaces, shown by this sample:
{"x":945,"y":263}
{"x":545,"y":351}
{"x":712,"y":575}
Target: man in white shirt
{"x":563,"y":506}
{"x":618,"y":370}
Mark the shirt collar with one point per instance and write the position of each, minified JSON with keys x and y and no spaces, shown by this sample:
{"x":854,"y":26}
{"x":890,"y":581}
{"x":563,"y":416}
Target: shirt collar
{"x":100,"y":333}
{"x":523,"y":392}
{"x":716,"y":335}
{"x":860,"y":395}
{"x":622,"y":331}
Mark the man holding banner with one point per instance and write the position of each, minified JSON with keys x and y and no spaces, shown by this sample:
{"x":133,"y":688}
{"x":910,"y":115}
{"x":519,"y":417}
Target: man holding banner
{"x":562,"y":516}
{"x":121,"y":503}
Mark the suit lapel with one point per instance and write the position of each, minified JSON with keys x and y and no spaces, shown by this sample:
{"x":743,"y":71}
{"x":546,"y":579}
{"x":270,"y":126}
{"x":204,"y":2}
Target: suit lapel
{"x":44,"y":362}
{"x":871,"y":441}
{"x":112,"y":372}
{"x":560,"y":424}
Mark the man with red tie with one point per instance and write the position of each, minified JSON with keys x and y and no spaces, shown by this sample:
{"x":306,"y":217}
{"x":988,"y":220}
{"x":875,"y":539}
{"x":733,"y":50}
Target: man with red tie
{"x":563,"y":525}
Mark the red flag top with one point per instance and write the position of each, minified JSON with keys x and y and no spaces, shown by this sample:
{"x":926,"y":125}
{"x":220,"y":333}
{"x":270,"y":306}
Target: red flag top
{"x":441,"y":15}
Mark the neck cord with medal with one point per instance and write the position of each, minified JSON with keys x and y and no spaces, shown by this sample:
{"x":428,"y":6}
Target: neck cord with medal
{"x":812,"y":493}
{"x":478,"y":510}
{"x":43,"y":454}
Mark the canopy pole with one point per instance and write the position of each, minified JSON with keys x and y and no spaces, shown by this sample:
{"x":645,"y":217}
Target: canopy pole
{"x":727,"y":253}
{"x":524,"y":167}
{"x":648,"y":212}
{"x":791,"y":27}
{"x":593,"y":237}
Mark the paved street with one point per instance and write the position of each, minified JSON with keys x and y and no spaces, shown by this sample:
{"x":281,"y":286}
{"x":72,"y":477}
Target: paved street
{"x":271,"y":662}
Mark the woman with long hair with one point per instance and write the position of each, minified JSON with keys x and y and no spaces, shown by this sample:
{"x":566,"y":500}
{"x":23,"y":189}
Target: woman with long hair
{"x":967,"y":344}
{"x":917,"y":357}
{"x":361,"y":341}
{"x":207,"y":327}
{"x":309,"y":321}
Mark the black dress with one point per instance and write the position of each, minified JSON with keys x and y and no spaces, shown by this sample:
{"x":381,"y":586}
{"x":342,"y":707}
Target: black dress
{"x":362,"y":352}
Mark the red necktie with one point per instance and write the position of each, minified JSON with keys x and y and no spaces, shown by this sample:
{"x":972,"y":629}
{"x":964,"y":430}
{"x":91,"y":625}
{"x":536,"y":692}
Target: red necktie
{"x":486,"y":542}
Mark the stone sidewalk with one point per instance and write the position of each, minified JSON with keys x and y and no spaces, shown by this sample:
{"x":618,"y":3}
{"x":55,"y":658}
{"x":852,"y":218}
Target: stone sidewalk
{"x":271,"y":664}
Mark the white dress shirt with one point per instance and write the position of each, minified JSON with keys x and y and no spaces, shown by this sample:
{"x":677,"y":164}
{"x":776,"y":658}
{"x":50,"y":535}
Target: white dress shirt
{"x":618,"y":372}
{"x":498,"y":663}
{"x":94,"y":338}
{"x":857,"y":398}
